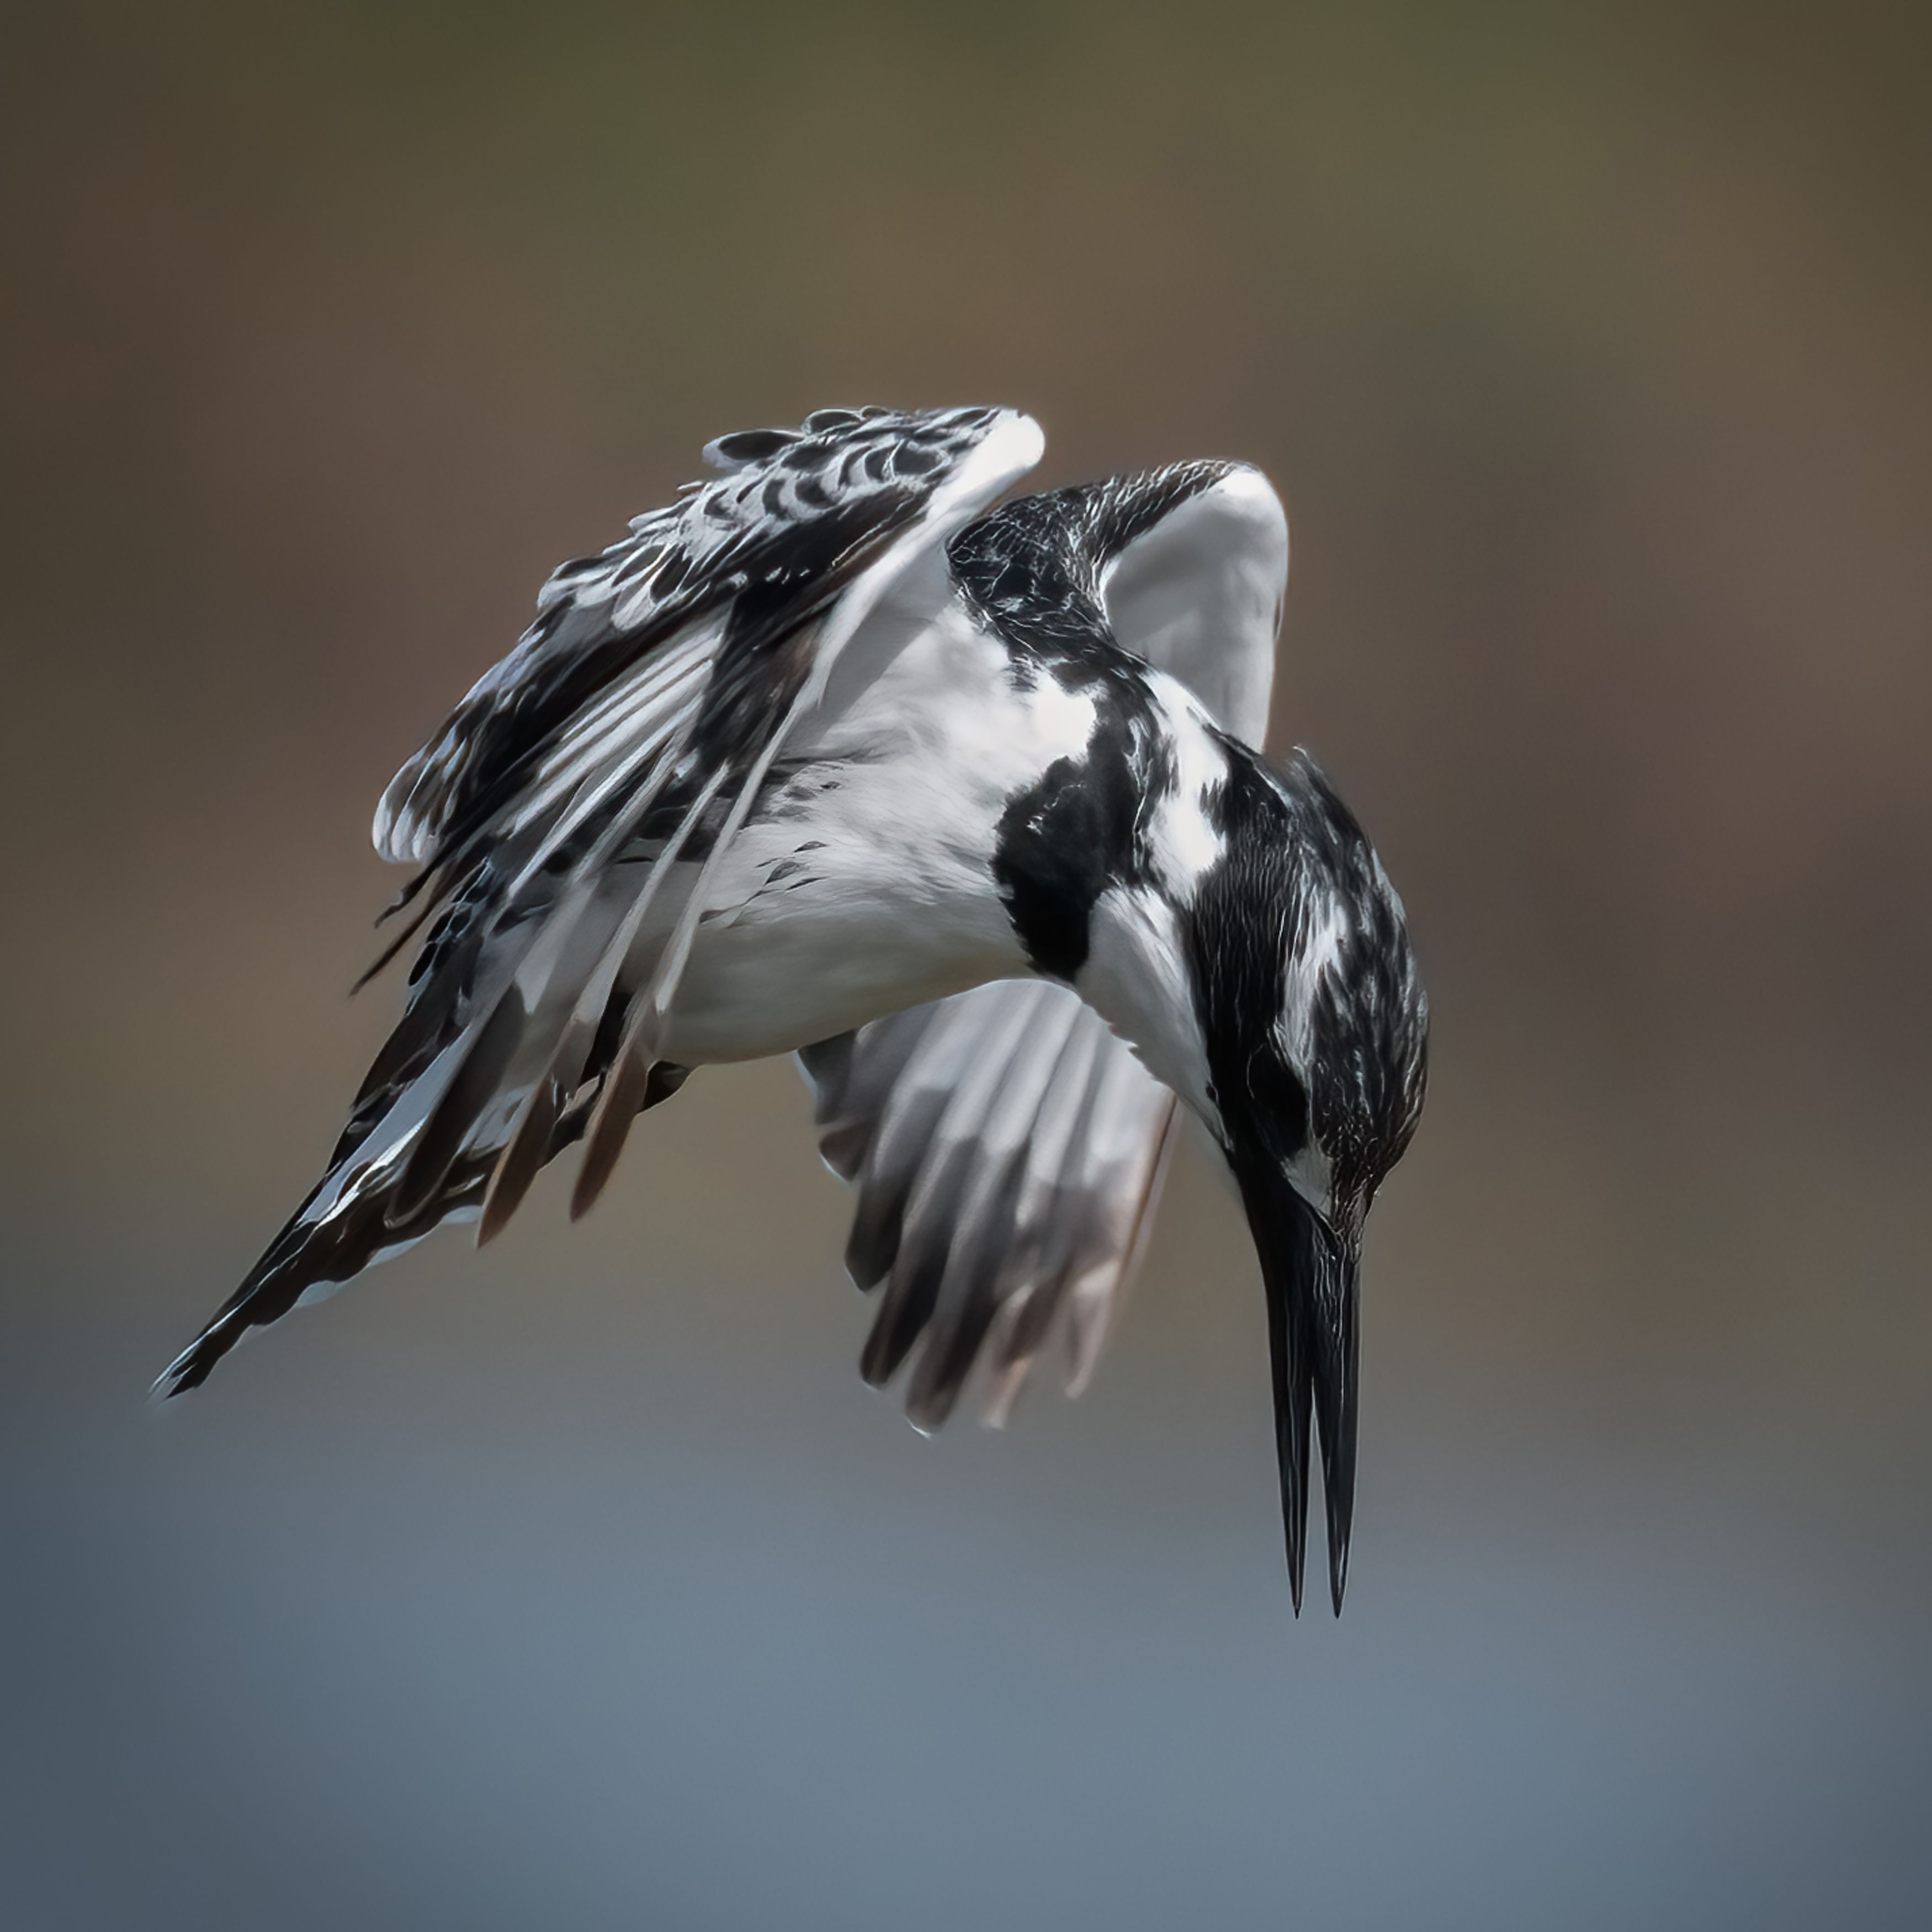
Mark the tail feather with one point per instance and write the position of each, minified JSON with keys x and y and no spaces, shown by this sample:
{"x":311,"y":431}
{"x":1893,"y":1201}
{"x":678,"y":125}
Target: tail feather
{"x":344,"y":1227}
{"x":314,"y":1254}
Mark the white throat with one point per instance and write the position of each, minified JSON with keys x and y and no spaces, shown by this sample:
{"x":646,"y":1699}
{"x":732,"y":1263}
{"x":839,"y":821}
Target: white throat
{"x":1136,"y":978}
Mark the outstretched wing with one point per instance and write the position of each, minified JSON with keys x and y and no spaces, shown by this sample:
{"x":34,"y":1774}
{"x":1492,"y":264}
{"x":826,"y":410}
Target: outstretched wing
{"x":634,"y":722}
{"x":1007,"y":1148}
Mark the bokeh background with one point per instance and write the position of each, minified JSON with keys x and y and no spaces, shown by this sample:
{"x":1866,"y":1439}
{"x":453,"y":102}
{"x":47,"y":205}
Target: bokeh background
{"x":580,"y":1583}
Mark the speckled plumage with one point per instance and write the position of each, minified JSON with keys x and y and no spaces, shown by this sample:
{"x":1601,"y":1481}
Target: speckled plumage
{"x":961,"y":811}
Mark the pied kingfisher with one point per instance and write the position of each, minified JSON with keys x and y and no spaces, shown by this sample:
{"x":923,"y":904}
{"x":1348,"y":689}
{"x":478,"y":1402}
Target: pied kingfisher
{"x":961,"y":806}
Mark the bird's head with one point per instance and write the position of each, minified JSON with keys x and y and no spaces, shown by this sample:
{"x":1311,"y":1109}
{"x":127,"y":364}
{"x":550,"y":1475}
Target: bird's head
{"x":1314,"y":1029}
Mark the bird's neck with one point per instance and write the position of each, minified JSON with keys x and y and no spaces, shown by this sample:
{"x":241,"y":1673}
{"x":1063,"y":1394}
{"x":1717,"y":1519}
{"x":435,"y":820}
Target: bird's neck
{"x":1137,"y":977}
{"x":1136,"y":968}
{"x":1199,"y":959}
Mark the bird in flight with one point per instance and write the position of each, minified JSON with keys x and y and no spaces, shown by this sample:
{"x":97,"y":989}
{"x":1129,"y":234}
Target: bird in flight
{"x":960,"y":804}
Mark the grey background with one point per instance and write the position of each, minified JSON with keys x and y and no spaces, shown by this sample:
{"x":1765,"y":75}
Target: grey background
{"x":580,"y":1583}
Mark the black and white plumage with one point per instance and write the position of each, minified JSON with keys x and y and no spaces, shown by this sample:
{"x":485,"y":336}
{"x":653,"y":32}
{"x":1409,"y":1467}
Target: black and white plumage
{"x":959,"y":806}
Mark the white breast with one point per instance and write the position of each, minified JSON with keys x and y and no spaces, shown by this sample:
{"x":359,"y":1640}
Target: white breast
{"x":863,"y":884}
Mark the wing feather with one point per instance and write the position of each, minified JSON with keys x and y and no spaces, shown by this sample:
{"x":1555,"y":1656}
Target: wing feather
{"x":644,"y":705}
{"x":1004,"y":1145}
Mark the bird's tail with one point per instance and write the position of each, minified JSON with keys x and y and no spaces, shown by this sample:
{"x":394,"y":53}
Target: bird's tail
{"x":350,"y":1222}
{"x":341,"y":1229}
{"x":450,"y":1100}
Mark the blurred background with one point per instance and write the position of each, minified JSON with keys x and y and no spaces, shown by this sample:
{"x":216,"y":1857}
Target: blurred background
{"x":580,"y":1583}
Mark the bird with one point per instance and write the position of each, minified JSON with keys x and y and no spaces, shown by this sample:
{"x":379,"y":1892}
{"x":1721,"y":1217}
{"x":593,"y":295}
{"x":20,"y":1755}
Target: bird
{"x":847,"y":753}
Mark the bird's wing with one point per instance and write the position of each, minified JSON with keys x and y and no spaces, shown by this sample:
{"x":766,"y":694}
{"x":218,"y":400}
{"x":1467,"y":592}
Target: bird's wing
{"x":635,"y":721}
{"x":1007,"y":1148}
{"x":1197,"y":593}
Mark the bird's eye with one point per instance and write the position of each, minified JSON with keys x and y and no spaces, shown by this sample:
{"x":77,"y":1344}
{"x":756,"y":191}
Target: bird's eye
{"x":1280,"y":1102}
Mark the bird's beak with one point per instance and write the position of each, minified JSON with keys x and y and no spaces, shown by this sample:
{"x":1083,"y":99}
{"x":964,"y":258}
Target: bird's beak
{"x":1311,"y":1273}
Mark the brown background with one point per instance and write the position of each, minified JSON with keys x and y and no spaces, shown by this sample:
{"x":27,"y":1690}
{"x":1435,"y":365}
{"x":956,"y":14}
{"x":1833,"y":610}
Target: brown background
{"x":579,"y":1584}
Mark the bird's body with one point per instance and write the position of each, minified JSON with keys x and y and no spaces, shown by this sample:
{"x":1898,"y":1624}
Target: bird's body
{"x":858,"y":885}
{"x":960,"y":811}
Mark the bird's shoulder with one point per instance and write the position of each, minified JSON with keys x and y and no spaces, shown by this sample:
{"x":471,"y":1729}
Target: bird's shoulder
{"x":1182,"y":567}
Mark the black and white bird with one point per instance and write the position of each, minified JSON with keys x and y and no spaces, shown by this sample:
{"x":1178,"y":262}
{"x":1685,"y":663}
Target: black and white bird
{"x":961,"y":808}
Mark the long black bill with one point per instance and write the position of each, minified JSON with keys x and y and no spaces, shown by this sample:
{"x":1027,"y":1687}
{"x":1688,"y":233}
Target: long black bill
{"x":1313,"y":1281}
